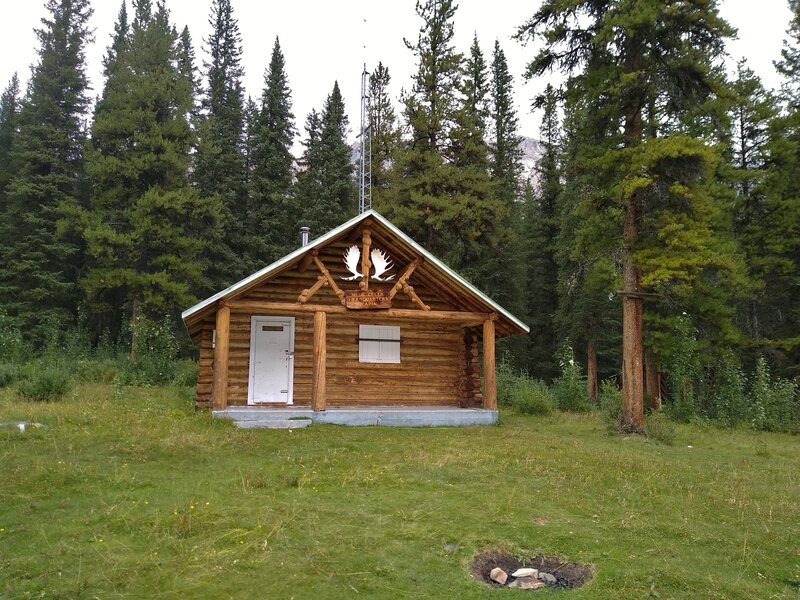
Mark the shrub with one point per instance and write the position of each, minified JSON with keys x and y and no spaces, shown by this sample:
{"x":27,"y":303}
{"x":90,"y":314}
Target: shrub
{"x":156,"y":350}
{"x":96,"y":370}
{"x":730,"y":404}
{"x":12,"y":347}
{"x":506,"y":377}
{"x":532,"y":396}
{"x":775,"y":405}
{"x":569,"y":390}
{"x":658,"y":427}
{"x":8,"y":374}
{"x":186,"y":373}
{"x":610,"y":402}
{"x":46,"y":385}
{"x":683,"y":365}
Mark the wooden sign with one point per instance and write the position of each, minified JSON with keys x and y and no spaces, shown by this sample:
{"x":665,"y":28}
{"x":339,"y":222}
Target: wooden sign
{"x":366,"y":299}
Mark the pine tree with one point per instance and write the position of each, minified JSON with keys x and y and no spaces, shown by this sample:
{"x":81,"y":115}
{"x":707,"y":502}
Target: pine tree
{"x":540,"y":236}
{"x":39,"y":267}
{"x":660,"y":58}
{"x":9,"y":117}
{"x":752,"y":111}
{"x":506,"y":146}
{"x":443,"y":195}
{"x":274,"y":211}
{"x":421,"y":202}
{"x":778,"y":235}
{"x":147,"y":228}
{"x":325,"y":188}
{"x":384,"y":132}
{"x":220,"y":164}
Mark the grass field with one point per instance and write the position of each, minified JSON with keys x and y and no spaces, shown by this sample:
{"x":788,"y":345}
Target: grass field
{"x":129,"y":494}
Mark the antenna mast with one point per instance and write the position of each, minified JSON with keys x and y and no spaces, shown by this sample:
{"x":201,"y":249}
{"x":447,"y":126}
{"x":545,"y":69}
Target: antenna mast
{"x":365,"y":159}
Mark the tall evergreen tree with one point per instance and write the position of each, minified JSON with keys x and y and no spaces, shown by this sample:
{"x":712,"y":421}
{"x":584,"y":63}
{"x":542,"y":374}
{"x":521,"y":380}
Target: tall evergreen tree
{"x":443,"y":195}
{"x":778,"y":236}
{"x":752,"y":110}
{"x":638,"y":56}
{"x":274,"y":211}
{"x":540,"y":235}
{"x":506,"y":146}
{"x":9,"y":116}
{"x":325,"y":188}
{"x":147,"y":228}
{"x":384,"y":132}
{"x":38,"y":266}
{"x":220,"y":166}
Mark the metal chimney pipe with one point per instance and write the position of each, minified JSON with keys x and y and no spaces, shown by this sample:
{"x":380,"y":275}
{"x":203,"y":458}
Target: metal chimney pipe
{"x":304,"y":231}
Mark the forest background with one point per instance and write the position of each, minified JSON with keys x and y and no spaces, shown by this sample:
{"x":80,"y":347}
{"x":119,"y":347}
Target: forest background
{"x":666,"y":196}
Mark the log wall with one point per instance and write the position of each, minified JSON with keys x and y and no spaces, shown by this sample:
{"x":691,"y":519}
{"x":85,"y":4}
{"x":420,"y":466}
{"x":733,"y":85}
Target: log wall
{"x":439,"y":361}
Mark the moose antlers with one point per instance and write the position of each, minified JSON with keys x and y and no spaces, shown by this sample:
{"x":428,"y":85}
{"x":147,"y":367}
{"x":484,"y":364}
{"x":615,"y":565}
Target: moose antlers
{"x":379,"y":259}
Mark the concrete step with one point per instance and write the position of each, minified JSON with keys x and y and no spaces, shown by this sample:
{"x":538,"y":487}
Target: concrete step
{"x":272,"y":423}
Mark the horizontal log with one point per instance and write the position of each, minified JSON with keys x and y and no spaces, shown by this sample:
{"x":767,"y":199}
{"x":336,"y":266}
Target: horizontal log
{"x":392,"y":313}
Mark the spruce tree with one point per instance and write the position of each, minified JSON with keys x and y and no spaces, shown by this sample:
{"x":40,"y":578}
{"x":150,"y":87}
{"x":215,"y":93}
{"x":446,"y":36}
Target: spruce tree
{"x":274,"y":211}
{"x":326,"y":192}
{"x":660,"y":58}
{"x":778,"y":234}
{"x":443,"y":195}
{"x":384,"y":132}
{"x":506,"y":145}
{"x":540,"y":236}
{"x":9,"y":116}
{"x":220,"y":165}
{"x":147,"y":228}
{"x":39,"y":267}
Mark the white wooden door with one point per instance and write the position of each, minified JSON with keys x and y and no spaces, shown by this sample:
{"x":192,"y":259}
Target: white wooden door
{"x":271,"y":360}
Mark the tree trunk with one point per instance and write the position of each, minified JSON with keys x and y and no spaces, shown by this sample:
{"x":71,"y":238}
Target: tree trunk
{"x":591,"y":370}
{"x":632,"y":418}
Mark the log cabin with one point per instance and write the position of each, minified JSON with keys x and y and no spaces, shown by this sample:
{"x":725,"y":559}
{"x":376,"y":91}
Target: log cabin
{"x":360,"y":326}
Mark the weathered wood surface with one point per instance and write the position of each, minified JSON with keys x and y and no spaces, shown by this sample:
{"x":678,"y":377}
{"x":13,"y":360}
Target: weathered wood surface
{"x":221,"y":357}
{"x":435,"y":354}
{"x":366,"y":299}
{"x":489,"y":372}
{"x":430,"y":283}
{"x":319,"y":377}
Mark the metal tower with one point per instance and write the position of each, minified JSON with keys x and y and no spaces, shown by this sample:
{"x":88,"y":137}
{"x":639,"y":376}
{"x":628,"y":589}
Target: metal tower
{"x":365,"y":158}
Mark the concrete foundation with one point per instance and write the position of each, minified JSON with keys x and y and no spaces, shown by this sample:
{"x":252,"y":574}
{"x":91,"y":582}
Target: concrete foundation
{"x":249,"y":417}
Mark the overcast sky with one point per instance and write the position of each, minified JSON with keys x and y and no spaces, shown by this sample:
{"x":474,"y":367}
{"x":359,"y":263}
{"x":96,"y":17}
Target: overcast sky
{"x":326,"y":40}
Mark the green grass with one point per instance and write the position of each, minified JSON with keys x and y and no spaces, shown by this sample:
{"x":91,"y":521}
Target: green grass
{"x":129,"y":494}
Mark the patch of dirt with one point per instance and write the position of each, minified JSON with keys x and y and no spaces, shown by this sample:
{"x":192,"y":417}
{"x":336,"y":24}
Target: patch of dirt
{"x":568,"y":574}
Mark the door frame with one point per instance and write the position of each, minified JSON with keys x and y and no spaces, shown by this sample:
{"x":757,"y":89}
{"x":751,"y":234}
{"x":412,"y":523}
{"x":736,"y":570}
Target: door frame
{"x":261,"y":319}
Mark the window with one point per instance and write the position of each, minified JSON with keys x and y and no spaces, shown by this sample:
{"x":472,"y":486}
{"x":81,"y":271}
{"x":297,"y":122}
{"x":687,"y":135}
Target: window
{"x":378,"y":344}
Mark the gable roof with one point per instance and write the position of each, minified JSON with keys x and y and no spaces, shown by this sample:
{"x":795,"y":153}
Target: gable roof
{"x":508,"y":324}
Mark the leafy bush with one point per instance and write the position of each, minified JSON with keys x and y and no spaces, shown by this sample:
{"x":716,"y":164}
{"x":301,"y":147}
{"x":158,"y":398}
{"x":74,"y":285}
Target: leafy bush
{"x":610,"y":402}
{"x":46,"y":385}
{"x":728,"y":389}
{"x":156,"y":351}
{"x":12,"y":347}
{"x":775,"y":406}
{"x":8,"y":374}
{"x":658,"y":427}
{"x":186,"y":373}
{"x":569,"y":390}
{"x":506,"y":378}
{"x":532,"y":396}
{"x":93,"y":370}
{"x":683,"y":365}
